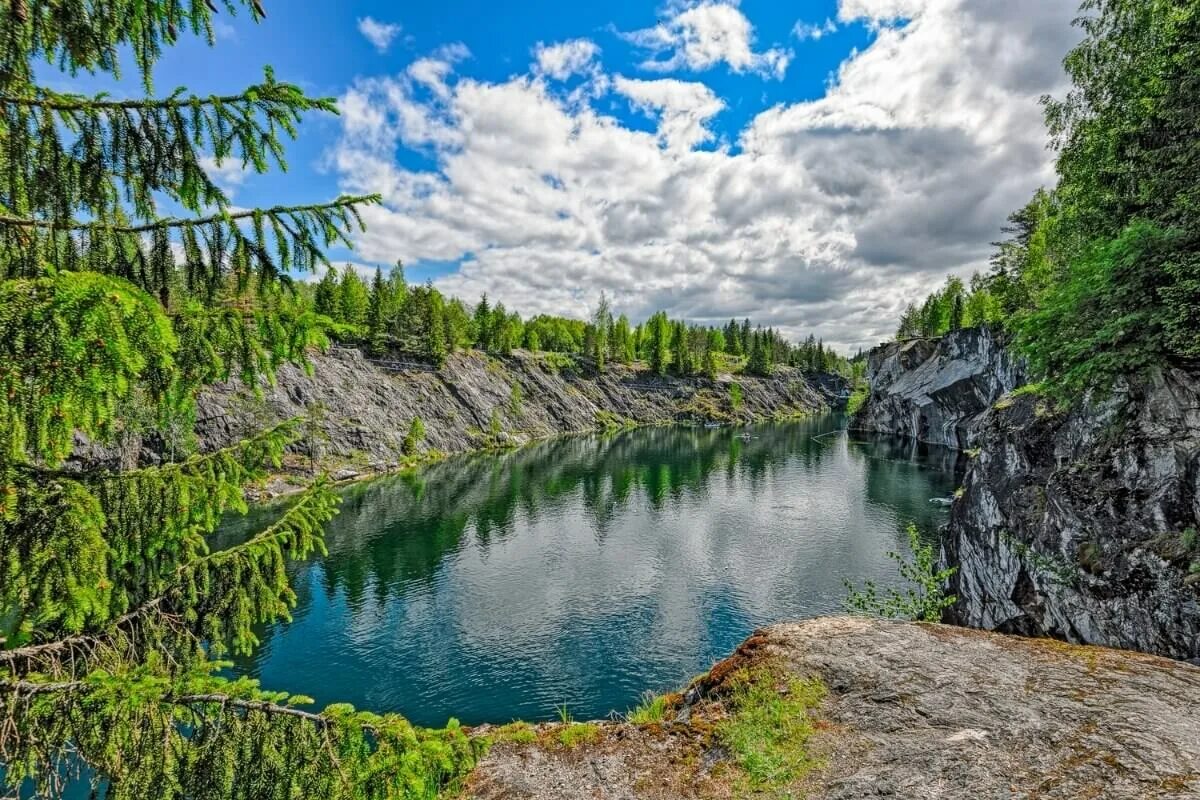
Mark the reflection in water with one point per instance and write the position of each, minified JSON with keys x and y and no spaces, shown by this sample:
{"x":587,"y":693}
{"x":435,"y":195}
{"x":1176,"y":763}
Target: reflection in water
{"x":587,"y":570}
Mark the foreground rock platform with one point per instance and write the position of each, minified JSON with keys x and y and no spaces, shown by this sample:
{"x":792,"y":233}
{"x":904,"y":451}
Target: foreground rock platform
{"x":911,"y":711}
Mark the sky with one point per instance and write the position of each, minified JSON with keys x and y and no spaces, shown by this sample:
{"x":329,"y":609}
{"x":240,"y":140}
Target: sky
{"x":814,"y":165}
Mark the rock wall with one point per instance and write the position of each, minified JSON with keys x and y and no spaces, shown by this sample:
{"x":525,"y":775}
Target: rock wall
{"x":934,"y":390}
{"x":365,"y":410}
{"x":1083,"y":526}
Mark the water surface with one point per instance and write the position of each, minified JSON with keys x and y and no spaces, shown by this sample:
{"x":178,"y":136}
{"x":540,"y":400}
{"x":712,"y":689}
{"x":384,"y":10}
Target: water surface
{"x":588,"y":570}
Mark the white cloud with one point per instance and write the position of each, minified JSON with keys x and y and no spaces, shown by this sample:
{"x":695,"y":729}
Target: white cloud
{"x":806,"y":30}
{"x":682,"y":108}
{"x":561,"y":61}
{"x":825,"y":216}
{"x":380,"y":34}
{"x":701,"y":35}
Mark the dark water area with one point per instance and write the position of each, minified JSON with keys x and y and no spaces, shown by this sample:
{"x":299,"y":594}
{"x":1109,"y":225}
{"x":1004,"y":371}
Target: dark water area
{"x":586,"y":571}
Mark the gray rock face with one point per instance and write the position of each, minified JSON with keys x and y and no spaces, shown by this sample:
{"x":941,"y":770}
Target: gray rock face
{"x":934,"y":390}
{"x":1084,"y":526}
{"x":365,"y":411}
{"x":914,"y":711}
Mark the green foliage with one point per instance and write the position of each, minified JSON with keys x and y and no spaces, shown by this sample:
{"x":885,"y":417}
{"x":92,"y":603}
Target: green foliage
{"x":516,"y":401}
{"x":111,"y":601}
{"x":76,"y":346}
{"x":652,"y":709}
{"x":768,"y":731}
{"x":858,"y":399}
{"x":1114,"y":331}
{"x":574,"y":734}
{"x":735,"y":396}
{"x":414,"y":437}
{"x":925,"y":598}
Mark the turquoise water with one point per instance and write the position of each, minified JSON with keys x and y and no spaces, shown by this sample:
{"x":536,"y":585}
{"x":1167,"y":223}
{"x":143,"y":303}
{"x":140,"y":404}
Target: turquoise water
{"x":588,"y":570}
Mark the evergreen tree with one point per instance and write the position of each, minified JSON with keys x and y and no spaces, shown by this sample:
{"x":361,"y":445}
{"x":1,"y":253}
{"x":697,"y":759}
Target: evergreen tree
{"x":733,"y":339}
{"x":378,"y":307}
{"x":483,"y":324}
{"x":326,"y":296}
{"x":353,"y":299}
{"x":659,"y":343}
{"x":602,"y":329}
{"x":623,"y":347}
{"x":745,"y":336}
{"x":114,"y":606}
{"x":957,"y":312}
{"x":436,"y":345}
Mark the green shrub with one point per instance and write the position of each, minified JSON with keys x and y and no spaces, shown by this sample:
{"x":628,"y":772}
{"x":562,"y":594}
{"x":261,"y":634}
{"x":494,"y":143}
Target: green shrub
{"x":735,"y":396}
{"x":414,"y":437}
{"x":925,"y":598}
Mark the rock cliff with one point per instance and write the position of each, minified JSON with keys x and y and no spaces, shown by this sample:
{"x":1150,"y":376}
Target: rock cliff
{"x":915,"y":711}
{"x":1083,"y":525}
{"x":364,"y":410}
{"x":934,"y":390}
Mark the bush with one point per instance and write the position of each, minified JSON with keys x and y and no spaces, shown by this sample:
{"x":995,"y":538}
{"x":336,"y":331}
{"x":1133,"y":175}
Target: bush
{"x":924,"y":600}
{"x":416,"y":434}
{"x":735,"y":396}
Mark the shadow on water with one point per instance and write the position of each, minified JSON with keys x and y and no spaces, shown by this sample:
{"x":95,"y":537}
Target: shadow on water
{"x":587,"y":570}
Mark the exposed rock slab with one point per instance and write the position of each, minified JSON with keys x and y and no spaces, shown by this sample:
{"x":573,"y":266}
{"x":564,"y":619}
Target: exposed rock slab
{"x":1084,"y":526}
{"x":934,"y":390}
{"x":913,"y":711}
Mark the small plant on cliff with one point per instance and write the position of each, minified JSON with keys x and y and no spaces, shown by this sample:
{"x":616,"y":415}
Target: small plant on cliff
{"x":653,"y":708}
{"x":857,"y":398}
{"x":925,"y":599}
{"x":516,"y":401}
{"x":414,"y":437}
{"x":495,"y":425}
{"x":735,"y":396}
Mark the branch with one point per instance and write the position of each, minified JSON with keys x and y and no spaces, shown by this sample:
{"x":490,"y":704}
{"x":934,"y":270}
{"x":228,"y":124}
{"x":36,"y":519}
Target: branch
{"x":34,"y":688}
{"x":175,"y":222}
{"x":259,"y":93}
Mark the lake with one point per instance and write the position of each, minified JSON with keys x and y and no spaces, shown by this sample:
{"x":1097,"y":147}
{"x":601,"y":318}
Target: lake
{"x":585,"y":571}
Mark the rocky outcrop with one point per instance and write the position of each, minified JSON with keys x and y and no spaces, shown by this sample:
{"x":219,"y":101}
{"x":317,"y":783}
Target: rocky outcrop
{"x":911,"y":711}
{"x":934,"y":390}
{"x":1084,"y":525}
{"x":363,"y":410}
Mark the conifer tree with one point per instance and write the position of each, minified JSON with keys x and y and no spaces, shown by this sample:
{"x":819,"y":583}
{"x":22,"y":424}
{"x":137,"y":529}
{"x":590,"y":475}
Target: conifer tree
{"x":113,"y":607}
{"x":353,"y":299}
{"x":326,"y":296}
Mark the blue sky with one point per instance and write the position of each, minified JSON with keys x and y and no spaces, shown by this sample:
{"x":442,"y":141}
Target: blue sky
{"x":698,"y":155}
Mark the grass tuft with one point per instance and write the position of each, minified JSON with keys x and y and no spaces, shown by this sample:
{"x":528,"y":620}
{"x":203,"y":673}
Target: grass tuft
{"x":768,"y":729}
{"x":573,"y":734}
{"x":653,"y":708}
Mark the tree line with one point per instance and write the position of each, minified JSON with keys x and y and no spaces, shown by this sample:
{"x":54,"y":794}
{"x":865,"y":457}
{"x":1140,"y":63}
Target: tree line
{"x":387,"y":315}
{"x":1099,"y":277}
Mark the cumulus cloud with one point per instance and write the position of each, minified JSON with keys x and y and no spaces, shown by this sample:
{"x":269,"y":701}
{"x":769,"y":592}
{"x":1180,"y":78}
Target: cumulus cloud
{"x":380,"y":34}
{"x":808,"y":30}
{"x":682,"y":108}
{"x":561,"y":61}
{"x":824,"y":216}
{"x":699,"y":36}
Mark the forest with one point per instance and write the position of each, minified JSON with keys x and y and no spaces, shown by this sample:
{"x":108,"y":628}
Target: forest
{"x":388,"y":315}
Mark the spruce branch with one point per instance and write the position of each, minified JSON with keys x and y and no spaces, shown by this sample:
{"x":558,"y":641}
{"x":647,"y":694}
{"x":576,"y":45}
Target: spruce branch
{"x":76,"y":35}
{"x":67,"y":153}
{"x":261,"y":245}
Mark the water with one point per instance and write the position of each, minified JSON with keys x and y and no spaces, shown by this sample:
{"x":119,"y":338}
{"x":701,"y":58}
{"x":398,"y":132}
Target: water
{"x":588,"y":570}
